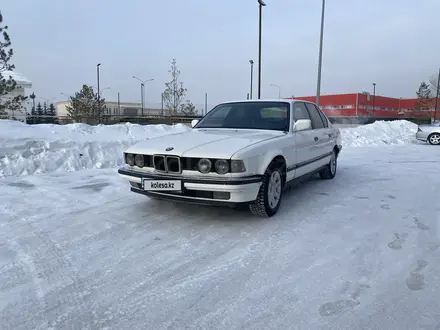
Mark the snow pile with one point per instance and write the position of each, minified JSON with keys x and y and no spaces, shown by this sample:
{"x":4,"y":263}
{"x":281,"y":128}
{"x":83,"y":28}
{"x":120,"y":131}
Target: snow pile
{"x":28,"y":149}
{"x":380,"y":133}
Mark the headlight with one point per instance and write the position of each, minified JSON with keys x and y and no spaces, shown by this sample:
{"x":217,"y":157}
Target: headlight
{"x":130,"y":159}
{"x":139,"y":160}
{"x":221,"y":166}
{"x":204,"y":165}
{"x":237,"y":166}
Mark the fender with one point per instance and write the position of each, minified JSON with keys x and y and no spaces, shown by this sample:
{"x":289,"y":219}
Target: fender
{"x":267,"y":158}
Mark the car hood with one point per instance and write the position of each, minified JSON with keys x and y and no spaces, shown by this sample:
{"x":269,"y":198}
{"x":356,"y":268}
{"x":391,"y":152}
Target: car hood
{"x":198,"y":143}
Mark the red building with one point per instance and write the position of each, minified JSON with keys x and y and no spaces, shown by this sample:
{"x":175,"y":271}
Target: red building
{"x":361,"y":105}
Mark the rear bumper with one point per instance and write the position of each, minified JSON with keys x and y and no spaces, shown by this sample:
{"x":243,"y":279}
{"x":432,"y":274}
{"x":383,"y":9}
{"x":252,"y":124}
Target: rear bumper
{"x":209,"y":191}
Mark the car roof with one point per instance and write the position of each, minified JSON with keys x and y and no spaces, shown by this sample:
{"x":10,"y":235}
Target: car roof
{"x":264,"y":100}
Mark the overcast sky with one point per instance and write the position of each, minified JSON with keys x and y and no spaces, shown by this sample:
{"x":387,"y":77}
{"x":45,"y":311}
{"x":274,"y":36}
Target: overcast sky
{"x":58,"y":43}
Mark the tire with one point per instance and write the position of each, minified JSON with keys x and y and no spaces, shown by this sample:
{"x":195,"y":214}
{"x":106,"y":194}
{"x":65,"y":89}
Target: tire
{"x":273,"y":185}
{"x":329,"y":172}
{"x":434,"y":139}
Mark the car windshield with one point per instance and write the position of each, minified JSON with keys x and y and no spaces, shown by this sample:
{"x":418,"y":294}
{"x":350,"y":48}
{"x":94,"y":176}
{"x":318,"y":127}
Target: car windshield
{"x":248,"y":115}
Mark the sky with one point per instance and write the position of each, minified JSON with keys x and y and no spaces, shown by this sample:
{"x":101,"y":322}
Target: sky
{"x":57,"y":45}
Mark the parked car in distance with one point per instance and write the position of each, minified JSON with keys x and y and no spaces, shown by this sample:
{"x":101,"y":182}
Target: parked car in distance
{"x":242,"y":152}
{"x":429,"y":133}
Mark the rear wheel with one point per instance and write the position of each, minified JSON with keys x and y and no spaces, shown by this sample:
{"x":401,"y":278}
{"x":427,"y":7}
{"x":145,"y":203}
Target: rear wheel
{"x":271,"y":191}
{"x":329,"y":172}
{"x":434,"y":139}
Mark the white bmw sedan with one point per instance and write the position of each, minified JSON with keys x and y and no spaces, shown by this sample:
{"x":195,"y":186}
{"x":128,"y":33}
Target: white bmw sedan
{"x":241,"y":152}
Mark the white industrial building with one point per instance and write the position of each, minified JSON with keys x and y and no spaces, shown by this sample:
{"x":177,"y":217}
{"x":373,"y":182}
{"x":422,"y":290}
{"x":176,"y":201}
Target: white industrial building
{"x":22,"y":84}
{"x":114,"y":109}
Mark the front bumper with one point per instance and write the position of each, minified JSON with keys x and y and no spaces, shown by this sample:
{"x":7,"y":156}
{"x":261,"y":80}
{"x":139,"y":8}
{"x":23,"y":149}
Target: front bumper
{"x":422,"y":136}
{"x":198,"y":190}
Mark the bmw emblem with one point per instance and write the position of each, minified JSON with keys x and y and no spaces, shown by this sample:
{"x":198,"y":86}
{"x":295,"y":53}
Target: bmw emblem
{"x":169,"y":149}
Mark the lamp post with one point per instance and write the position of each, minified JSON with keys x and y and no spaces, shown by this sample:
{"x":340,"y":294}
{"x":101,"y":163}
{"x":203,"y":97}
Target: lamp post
{"x":321,"y":41}
{"x":119,"y":105}
{"x":161,"y":106}
{"x":99,"y":98}
{"x":437,"y":96}
{"x":261,"y":5}
{"x":97,"y":77}
{"x":374,"y":98}
{"x":32,"y":96}
{"x":252,"y":76}
{"x":142,"y":92}
{"x":279,"y":90}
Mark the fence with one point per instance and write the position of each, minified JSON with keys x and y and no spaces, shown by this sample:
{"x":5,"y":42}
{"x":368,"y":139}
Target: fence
{"x":112,"y":119}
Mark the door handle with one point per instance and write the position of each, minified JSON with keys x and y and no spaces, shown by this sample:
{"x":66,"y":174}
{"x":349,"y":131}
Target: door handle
{"x":330,"y":135}
{"x":316,"y":138}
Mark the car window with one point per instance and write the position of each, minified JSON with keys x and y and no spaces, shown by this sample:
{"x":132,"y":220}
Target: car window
{"x":221,"y":113}
{"x":264,"y":115}
{"x":316,"y":118}
{"x":300,"y":111}
{"x":273,"y":113}
{"x":321,"y":114}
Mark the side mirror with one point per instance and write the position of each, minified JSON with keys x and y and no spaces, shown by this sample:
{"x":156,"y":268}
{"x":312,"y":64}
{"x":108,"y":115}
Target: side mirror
{"x":302,"y":125}
{"x":194,"y":122}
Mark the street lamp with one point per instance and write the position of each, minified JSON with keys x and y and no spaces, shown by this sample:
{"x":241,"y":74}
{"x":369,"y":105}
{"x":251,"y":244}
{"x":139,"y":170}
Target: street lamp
{"x":374,"y":98}
{"x":48,"y":100}
{"x":32,"y":96}
{"x":99,"y":97}
{"x":321,"y":41}
{"x":97,"y":77}
{"x":252,"y":74}
{"x":142,"y":92}
{"x":437,"y":92}
{"x":261,"y":5}
{"x":279,"y":90}
{"x":100,"y":92}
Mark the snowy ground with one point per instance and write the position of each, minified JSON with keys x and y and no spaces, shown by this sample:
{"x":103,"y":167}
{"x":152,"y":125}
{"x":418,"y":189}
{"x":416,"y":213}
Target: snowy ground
{"x":79,"y":251}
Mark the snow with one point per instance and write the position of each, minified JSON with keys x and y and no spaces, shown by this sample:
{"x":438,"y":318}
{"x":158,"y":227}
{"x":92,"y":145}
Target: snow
{"x":78,"y":250}
{"x":36,"y":149}
{"x":19,"y":78}
{"x":380,"y":133}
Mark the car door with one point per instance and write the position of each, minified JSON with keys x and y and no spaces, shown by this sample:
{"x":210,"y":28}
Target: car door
{"x":323,"y":136}
{"x":327,"y":134}
{"x":305,"y":143}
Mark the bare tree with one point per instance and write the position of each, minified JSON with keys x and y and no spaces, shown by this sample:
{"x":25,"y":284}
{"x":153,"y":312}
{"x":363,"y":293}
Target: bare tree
{"x":174,"y":93}
{"x":433,"y":82}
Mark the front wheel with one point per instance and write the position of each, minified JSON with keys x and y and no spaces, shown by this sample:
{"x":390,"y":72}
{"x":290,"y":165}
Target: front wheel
{"x":434,"y":139}
{"x":329,"y":172}
{"x":271,"y":191}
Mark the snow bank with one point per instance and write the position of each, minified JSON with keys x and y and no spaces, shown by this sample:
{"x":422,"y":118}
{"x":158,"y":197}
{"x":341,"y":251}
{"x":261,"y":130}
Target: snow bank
{"x":380,"y":133}
{"x":32,"y":149}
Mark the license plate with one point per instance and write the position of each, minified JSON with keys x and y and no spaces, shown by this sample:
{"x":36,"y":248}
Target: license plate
{"x":162,"y":185}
